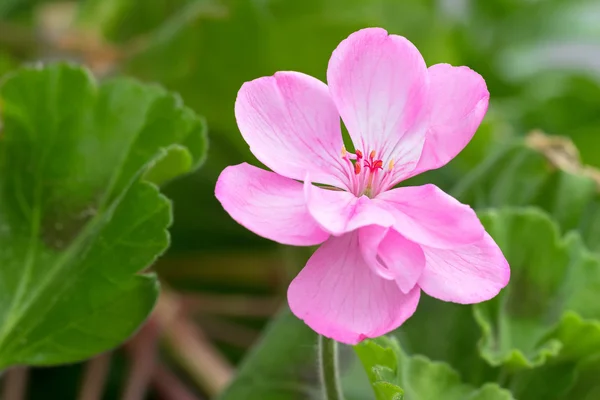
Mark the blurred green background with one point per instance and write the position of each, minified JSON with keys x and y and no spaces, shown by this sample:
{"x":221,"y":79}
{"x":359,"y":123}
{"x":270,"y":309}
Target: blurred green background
{"x":540,"y":59}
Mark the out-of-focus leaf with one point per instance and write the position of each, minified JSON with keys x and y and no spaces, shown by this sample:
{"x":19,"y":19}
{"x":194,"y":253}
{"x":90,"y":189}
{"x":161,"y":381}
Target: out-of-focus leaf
{"x":518,"y":175}
{"x":421,"y":335}
{"x":281,"y":366}
{"x":549,"y":276}
{"x":564,"y":104}
{"x":7,"y":62}
{"x":392,"y":372}
{"x":586,"y":385}
{"x":120,"y":20}
{"x":77,"y":221}
{"x":573,"y":373}
{"x":538,"y":59}
{"x":8,"y":6}
{"x":205,"y":49}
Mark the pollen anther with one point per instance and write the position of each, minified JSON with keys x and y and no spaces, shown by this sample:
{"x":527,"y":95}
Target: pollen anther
{"x":357,"y":168}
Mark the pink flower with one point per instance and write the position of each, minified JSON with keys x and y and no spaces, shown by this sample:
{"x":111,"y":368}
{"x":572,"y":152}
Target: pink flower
{"x":380,"y":246}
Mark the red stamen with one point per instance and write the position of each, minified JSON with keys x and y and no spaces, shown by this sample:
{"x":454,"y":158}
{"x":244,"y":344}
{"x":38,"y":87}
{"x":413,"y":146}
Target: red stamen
{"x":377,"y":164}
{"x":359,"y":154}
{"x":357,"y":168}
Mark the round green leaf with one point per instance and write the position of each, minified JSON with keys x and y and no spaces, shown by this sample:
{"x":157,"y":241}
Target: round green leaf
{"x":78,"y":224}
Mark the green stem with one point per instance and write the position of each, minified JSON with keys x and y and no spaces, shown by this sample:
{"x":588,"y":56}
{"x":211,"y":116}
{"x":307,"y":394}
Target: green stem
{"x":328,"y":365}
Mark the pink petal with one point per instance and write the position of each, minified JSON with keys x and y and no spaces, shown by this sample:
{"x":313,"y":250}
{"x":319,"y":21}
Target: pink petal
{"x":292,"y":126}
{"x":340,"y":297}
{"x":268,"y":204}
{"x":339,"y":212}
{"x":369,"y":238}
{"x":458,"y":102}
{"x":468,"y":274}
{"x":379,"y":84}
{"x":392,"y":256}
{"x":428,"y":216}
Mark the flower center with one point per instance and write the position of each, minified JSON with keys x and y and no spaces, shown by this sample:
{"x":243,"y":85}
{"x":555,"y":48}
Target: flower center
{"x":366,"y":175}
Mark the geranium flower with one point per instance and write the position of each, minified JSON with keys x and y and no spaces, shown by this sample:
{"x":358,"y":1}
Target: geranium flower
{"x":380,"y":246}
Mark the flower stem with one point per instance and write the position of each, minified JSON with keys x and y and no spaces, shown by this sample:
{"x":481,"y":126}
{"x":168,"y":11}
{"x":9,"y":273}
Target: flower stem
{"x":328,"y":363}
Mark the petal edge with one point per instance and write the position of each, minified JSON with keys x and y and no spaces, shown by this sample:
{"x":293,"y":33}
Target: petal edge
{"x":292,"y":126}
{"x":466,"y":275}
{"x":268,"y":204}
{"x":458,"y":102}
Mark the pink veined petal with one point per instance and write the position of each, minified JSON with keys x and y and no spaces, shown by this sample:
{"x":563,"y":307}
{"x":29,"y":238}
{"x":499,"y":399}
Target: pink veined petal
{"x":369,"y":238}
{"x":468,"y":274}
{"x":458,"y":102}
{"x":392,"y":256}
{"x":340,"y":297}
{"x":428,"y":216}
{"x":269,"y":205}
{"x":339,"y":212}
{"x":292,"y":126}
{"x":379,"y":84}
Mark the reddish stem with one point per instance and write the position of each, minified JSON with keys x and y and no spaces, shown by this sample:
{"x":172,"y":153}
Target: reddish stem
{"x":94,"y":378}
{"x":169,"y":387}
{"x":143,"y":353}
{"x":15,"y":384}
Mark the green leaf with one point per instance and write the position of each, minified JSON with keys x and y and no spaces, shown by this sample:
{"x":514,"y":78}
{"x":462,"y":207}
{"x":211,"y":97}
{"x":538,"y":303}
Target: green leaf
{"x":380,"y":362}
{"x":78,"y":224}
{"x":421,"y":335}
{"x":416,"y":376}
{"x":573,"y":373}
{"x":579,"y":337}
{"x":586,"y":385}
{"x":526,"y":323}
